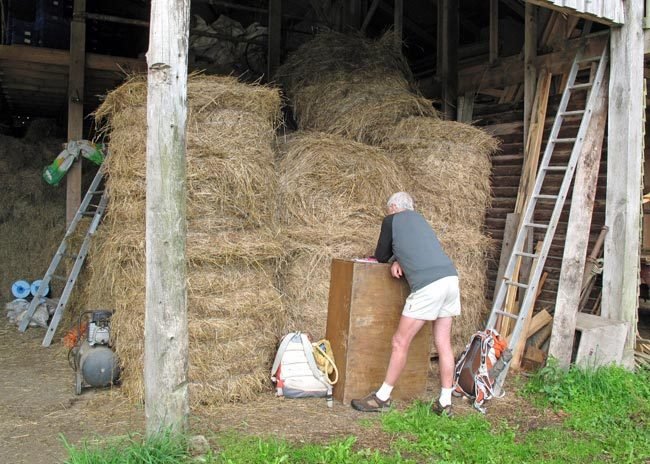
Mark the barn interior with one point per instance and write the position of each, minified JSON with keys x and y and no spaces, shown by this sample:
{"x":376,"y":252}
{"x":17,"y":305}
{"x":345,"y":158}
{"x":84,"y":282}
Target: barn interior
{"x":68,"y":71}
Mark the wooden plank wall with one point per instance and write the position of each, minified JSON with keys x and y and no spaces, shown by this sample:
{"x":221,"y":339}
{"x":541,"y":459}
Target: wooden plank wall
{"x":505,"y":122}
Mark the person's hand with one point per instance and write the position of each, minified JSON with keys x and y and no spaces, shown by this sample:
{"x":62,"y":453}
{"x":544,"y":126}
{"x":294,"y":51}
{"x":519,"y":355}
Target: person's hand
{"x":396,"y":270}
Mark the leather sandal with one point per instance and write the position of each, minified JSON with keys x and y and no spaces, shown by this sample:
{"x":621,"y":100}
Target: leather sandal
{"x":371,"y":403}
{"x":441,"y":410}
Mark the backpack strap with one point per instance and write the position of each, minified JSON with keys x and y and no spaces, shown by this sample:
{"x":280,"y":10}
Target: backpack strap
{"x":281,"y":349}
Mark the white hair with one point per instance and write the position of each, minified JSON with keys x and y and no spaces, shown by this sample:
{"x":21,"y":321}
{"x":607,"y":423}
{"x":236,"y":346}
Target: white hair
{"x":401,"y":200}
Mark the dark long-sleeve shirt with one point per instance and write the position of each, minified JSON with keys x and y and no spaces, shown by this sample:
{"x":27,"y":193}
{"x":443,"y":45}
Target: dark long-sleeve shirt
{"x":409,"y":237}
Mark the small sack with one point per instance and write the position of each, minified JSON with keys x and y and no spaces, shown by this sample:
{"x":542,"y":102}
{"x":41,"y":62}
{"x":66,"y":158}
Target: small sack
{"x":295,"y":372}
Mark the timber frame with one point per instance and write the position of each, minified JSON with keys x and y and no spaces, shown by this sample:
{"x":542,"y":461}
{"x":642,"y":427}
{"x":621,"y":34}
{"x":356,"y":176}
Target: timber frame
{"x":462,"y":82}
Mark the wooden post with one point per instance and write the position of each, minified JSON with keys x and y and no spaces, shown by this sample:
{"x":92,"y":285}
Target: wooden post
{"x":165,"y":333}
{"x":448,"y":56}
{"x":275,"y":38}
{"x":577,"y":236}
{"x":76,"y":78}
{"x":494,"y":30}
{"x":398,"y":23}
{"x":624,"y":162}
{"x":530,"y":72}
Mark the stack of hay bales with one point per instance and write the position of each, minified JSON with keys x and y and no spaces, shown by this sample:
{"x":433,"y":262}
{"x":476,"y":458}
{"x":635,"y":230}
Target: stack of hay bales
{"x":32,"y":213}
{"x":332,"y":192}
{"x":360,"y":90}
{"x":234,"y":310}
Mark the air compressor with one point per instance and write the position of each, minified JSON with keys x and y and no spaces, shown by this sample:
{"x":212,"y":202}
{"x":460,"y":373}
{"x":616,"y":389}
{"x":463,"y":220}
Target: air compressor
{"x":92,"y":358}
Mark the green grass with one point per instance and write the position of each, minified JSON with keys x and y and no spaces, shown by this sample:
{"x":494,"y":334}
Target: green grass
{"x":606,"y":420}
{"x":163,"y":449}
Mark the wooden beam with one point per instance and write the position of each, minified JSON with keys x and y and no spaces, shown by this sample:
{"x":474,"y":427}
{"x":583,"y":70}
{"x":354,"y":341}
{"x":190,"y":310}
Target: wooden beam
{"x":624,"y":164}
{"x":76,"y":79}
{"x":166,"y":333}
{"x":411,"y":25}
{"x":577,"y":236}
{"x":27,"y":54}
{"x":614,"y":20}
{"x":275,"y":38}
{"x":494,"y":30}
{"x":448,"y":56}
{"x":369,"y":15}
{"x":510,"y":70}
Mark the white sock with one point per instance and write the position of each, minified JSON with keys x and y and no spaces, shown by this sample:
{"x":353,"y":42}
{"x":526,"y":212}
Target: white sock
{"x":384,"y":391}
{"x":445,"y":396}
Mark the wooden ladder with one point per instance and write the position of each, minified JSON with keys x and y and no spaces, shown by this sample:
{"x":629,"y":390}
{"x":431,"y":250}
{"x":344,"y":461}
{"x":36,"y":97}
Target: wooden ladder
{"x":528,"y":225}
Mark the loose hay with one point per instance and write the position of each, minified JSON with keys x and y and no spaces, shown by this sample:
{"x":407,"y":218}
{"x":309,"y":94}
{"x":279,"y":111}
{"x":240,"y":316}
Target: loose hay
{"x":32,"y":213}
{"x":235,"y":313}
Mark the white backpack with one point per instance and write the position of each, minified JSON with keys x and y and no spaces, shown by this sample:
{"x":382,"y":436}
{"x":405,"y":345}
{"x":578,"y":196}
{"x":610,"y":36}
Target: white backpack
{"x":295,"y":372}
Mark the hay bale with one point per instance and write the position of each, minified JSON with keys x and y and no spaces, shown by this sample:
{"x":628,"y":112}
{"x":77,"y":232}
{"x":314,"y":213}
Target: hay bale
{"x":351,"y":86}
{"x":448,"y":165}
{"x":235,"y":313}
{"x":330,"y":53}
{"x":327,"y":182}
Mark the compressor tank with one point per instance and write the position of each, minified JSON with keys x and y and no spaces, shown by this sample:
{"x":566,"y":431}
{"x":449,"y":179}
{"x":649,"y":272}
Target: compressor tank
{"x":98,"y":364}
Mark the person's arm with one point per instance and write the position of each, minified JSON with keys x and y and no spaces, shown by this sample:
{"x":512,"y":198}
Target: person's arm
{"x":384,"y":250}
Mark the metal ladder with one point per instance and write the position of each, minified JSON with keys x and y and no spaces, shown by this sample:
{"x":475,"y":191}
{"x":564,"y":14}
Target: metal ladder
{"x":88,"y":208}
{"x":527,"y":224}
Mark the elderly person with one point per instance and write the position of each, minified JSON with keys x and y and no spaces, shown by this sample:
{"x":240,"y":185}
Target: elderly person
{"x":407,"y":238}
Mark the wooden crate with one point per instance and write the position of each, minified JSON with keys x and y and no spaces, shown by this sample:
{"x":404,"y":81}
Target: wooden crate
{"x":365,"y":305}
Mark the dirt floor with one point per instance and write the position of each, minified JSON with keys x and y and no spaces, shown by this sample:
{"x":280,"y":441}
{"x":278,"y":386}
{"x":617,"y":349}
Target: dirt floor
{"x":38,"y":406}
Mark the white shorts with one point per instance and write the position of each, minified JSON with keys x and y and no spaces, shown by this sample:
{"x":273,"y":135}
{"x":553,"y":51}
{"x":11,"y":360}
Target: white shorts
{"x":438,"y":299}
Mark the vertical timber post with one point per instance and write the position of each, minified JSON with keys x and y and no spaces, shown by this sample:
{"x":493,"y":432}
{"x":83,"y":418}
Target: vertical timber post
{"x":275,"y":37}
{"x":624,"y":163}
{"x":494,"y":31}
{"x":530,"y":72}
{"x":448,"y":56}
{"x":76,"y":78}
{"x":165,"y":333}
{"x":398,"y":24}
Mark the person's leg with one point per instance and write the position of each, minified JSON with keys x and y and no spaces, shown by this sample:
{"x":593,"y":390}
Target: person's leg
{"x":406,"y":331}
{"x":442,"y":338}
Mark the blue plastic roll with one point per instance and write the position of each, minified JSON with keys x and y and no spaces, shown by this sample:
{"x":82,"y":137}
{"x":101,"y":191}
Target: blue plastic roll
{"x":35,"y":286}
{"x":20,"y":289}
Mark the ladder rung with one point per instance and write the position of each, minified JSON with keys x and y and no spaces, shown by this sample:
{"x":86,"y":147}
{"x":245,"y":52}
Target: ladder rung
{"x":586,"y":85}
{"x":573,"y":113}
{"x":566,"y":140}
{"x":516,"y":284}
{"x":68,"y":255}
{"x":96,"y":192}
{"x":526,"y":255}
{"x":58,"y":277}
{"x":588,"y":59}
{"x":536,"y":225}
{"x":88,"y":213}
{"x":547,"y":197}
{"x":505,"y":313}
{"x":556,"y":168}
